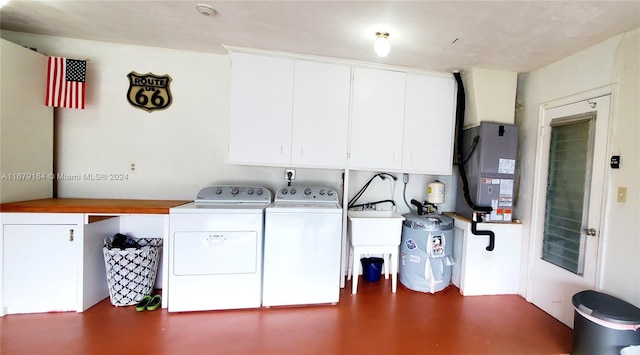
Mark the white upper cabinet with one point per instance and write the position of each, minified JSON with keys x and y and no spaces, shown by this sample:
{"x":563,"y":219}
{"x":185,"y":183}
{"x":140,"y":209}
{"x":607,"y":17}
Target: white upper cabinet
{"x":288,"y":112}
{"x":261,"y":110}
{"x":293,"y":112}
{"x":428,"y":125}
{"x":320,"y":115}
{"x":377,"y":119}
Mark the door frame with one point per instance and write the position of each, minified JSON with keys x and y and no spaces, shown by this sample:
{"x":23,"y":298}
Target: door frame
{"x":540,"y":174}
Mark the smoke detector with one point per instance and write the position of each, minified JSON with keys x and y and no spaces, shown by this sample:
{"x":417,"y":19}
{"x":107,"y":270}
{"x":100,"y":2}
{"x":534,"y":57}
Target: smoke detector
{"x":205,"y":9}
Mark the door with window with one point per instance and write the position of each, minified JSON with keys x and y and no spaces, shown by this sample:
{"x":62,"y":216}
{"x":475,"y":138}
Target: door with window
{"x":568,"y":203}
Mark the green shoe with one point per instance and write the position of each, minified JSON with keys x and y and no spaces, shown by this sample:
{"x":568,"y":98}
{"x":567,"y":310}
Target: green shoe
{"x":144,"y":302}
{"x":154,"y":303}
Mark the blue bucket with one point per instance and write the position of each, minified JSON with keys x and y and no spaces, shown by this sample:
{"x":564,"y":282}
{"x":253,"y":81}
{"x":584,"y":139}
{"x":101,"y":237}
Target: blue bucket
{"x":371,"y":268}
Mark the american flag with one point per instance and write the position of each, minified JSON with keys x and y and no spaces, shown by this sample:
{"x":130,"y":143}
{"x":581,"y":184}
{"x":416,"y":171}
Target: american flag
{"x":65,"y":82}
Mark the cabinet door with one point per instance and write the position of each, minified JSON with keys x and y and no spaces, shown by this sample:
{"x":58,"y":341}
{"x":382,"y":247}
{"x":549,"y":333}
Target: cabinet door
{"x":428,"y":125}
{"x":261,"y":110}
{"x":377,"y":119}
{"x":40,"y":265}
{"x":320,"y":115}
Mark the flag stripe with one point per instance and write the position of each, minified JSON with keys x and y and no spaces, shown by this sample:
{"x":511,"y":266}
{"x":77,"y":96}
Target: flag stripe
{"x":65,"y":90}
{"x":82,"y":92}
{"x":47,"y":100}
{"x":60,"y":83}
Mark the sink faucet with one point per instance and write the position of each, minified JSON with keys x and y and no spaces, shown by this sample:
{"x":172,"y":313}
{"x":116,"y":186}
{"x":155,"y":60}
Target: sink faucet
{"x":369,"y":207}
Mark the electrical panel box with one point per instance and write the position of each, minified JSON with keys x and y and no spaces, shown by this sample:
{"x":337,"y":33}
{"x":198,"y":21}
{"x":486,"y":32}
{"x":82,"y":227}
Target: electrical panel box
{"x":490,"y":151}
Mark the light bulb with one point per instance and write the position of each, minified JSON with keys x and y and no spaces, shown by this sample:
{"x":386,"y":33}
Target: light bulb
{"x":382,"y":46}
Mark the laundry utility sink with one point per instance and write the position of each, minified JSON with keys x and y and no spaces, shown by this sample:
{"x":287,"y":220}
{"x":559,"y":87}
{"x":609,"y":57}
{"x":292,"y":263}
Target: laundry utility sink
{"x":372,"y":228}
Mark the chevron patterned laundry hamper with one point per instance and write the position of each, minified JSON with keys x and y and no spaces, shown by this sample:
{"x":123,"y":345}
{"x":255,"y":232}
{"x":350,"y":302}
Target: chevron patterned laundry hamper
{"x":131,"y":272}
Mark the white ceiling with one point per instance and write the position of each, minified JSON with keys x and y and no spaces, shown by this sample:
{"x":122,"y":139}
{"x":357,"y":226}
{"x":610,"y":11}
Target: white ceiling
{"x":512,"y":35}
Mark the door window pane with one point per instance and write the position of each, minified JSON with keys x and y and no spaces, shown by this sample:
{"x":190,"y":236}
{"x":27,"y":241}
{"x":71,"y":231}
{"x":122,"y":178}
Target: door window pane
{"x":567,"y":192}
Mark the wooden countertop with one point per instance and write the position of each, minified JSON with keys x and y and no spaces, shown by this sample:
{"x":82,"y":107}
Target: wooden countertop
{"x":90,"y":205}
{"x":468,"y":220}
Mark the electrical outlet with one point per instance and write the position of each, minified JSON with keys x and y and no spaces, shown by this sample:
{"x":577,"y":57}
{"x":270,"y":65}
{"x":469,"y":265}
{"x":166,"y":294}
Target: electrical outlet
{"x":133,"y":167}
{"x":288,"y":172}
{"x":622,"y":194}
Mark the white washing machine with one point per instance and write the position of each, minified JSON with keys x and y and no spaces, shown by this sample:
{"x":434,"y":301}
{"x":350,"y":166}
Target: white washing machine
{"x":215,"y":249}
{"x":303,"y":229}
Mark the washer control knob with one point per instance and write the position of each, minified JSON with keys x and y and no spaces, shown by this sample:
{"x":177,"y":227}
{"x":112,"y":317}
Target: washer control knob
{"x":307,"y":191}
{"x":259,"y":191}
{"x":235,"y":190}
{"x":250,"y":191}
{"x":330,"y":192}
{"x":218,"y":191}
{"x":293,"y":191}
{"x":322,"y":192}
{"x":283,"y":191}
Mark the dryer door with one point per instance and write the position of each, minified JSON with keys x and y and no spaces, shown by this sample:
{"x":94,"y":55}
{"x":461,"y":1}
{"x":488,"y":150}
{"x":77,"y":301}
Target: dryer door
{"x":214,"y":252}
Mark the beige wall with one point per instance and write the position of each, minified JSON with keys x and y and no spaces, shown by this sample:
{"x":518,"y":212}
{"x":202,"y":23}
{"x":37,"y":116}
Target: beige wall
{"x":177,"y":150}
{"x":613,"y":62}
{"x":183,"y":148}
{"x":26,"y":126}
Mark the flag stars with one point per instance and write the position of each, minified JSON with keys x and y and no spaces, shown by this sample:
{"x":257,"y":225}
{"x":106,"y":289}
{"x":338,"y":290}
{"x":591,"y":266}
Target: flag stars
{"x":76,"y":70}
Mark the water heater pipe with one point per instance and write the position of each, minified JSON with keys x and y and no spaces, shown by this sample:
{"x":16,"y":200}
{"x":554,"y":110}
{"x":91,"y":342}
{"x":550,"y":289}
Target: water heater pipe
{"x":418,"y":205}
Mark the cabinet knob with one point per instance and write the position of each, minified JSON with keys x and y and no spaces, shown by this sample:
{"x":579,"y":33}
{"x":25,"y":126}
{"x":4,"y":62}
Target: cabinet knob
{"x":71,"y":235}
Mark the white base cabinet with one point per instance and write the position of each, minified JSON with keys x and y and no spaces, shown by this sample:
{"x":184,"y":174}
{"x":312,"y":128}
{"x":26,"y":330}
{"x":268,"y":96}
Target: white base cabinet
{"x":41,"y":267}
{"x":480,"y":272}
{"x":44,"y":268}
{"x":53,"y":262}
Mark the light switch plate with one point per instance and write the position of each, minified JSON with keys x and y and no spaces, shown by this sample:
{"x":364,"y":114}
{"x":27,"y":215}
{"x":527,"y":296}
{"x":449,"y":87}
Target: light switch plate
{"x":622,"y":194}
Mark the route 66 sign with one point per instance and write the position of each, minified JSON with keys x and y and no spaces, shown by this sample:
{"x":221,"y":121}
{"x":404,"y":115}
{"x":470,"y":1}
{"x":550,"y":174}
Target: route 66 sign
{"x":148,"y":91}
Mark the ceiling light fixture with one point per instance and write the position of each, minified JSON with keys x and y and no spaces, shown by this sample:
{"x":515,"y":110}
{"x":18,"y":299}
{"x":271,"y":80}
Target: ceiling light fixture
{"x":205,"y":9}
{"x":382,"y":45}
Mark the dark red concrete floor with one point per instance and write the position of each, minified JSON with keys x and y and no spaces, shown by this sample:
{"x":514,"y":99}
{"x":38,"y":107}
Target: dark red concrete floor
{"x":374,"y":321}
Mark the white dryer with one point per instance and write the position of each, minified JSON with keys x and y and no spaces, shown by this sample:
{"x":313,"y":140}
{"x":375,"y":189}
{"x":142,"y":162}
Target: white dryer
{"x":303,"y":229}
{"x":215,"y":249}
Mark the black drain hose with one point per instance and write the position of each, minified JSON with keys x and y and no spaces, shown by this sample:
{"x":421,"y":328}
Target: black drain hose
{"x":460,"y":122}
{"x":491,"y":234}
{"x":460,"y":108}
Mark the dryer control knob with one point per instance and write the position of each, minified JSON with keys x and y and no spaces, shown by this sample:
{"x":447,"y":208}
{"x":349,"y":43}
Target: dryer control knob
{"x":330,"y":192}
{"x":250,"y":191}
{"x":235,"y":190}
{"x":293,"y":191}
{"x":307,"y":191}
{"x":259,"y":192}
{"x":218,"y":191}
{"x":322,"y":192}
{"x":283,"y":191}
